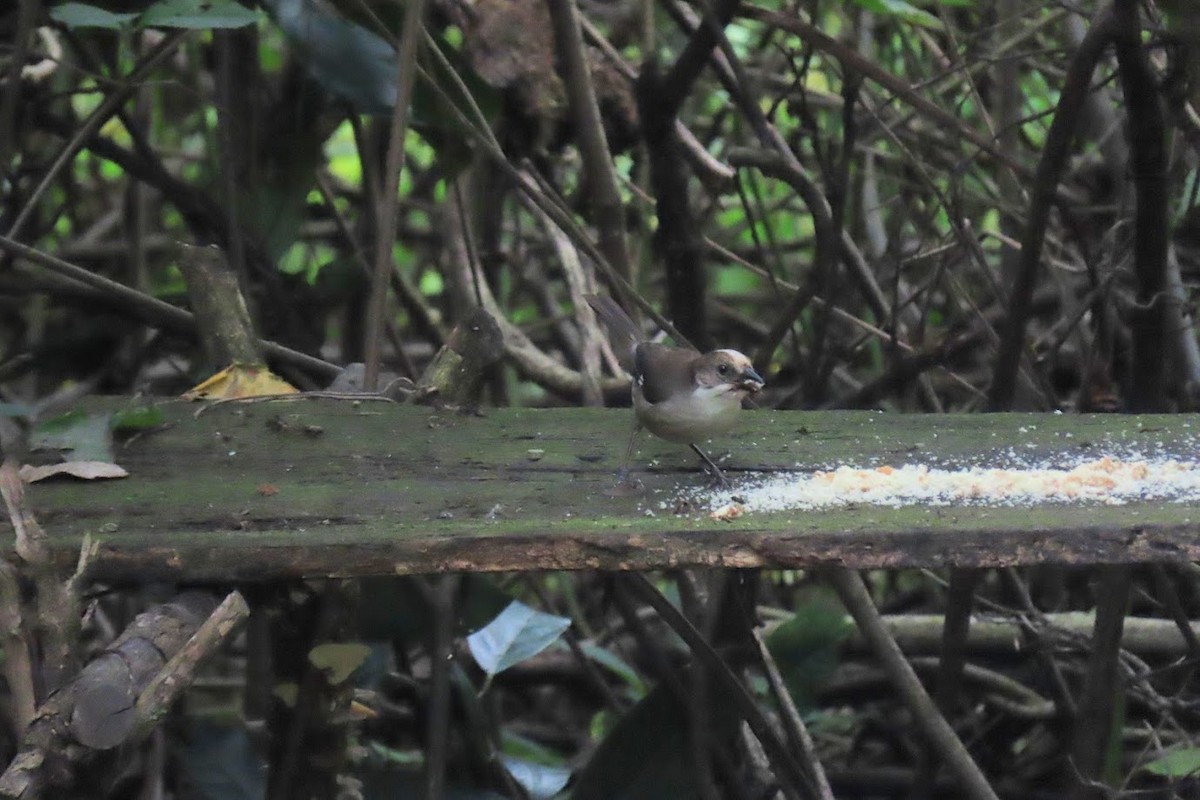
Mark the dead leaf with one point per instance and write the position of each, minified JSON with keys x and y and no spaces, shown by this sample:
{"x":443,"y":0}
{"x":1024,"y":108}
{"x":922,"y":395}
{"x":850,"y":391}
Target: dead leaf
{"x":268,"y":490}
{"x":86,"y":470}
{"x":359,"y":710}
{"x":238,"y":381}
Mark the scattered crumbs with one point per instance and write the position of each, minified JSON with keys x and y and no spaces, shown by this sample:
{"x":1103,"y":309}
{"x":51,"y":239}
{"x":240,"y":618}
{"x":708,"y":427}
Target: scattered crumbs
{"x":1107,"y":480}
{"x":728,"y":512}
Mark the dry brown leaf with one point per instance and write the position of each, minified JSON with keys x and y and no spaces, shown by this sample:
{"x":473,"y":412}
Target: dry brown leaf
{"x":86,"y":470}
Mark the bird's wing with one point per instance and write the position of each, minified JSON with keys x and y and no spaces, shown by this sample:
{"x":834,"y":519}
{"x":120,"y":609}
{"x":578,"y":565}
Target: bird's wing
{"x":622,"y":333}
{"x":662,"y":371}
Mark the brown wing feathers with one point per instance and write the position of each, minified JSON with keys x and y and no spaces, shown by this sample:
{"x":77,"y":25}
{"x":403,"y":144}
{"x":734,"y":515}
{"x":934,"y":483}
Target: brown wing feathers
{"x":622,"y":333}
{"x":658,"y":366}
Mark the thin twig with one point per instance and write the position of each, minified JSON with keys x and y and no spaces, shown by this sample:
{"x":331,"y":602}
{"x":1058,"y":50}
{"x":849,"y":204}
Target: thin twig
{"x":385,"y":216}
{"x":11,"y":80}
{"x":95,"y":120}
{"x":155,"y":311}
{"x":854,"y":596}
{"x":438,"y":731}
{"x":1094,"y":724}
{"x":599,"y":174}
{"x":1055,"y":154}
{"x":798,"y":737}
{"x":178,"y":673}
{"x":58,"y":617}
{"x":18,"y":663}
{"x":793,"y":780}
{"x":479,"y":129}
{"x":1148,"y":160}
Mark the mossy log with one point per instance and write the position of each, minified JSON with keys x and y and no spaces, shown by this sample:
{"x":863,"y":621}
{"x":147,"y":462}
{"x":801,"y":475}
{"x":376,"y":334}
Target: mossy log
{"x":306,"y":487}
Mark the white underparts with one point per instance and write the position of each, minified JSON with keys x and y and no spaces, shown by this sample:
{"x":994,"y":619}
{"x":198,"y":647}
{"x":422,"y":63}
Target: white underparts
{"x":693,"y":417}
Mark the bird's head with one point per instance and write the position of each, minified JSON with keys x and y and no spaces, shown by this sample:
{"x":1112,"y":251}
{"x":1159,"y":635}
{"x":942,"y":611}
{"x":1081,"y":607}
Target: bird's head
{"x":725,"y":371}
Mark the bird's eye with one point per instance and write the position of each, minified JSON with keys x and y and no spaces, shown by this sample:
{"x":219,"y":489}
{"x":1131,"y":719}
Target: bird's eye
{"x":722,"y":369}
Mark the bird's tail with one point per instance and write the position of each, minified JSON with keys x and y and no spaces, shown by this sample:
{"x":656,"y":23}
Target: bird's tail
{"x":622,"y":333}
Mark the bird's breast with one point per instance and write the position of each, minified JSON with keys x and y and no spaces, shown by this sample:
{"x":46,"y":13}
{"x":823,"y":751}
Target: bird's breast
{"x":689,"y":418}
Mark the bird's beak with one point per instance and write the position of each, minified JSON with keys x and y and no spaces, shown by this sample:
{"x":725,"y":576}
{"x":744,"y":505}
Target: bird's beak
{"x":750,"y":380}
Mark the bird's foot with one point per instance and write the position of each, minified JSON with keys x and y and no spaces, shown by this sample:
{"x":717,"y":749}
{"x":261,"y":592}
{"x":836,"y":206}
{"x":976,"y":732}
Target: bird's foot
{"x":626,"y":485}
{"x":710,"y":466}
{"x":717,"y":479}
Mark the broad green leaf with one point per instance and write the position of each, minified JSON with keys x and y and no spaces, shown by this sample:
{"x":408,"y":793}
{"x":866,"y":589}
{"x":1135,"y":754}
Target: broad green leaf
{"x":1176,"y":764}
{"x":518,"y":633}
{"x":78,"y":436}
{"x":647,"y":752}
{"x":806,"y":648}
{"x":81,"y":15}
{"x":197,"y":14}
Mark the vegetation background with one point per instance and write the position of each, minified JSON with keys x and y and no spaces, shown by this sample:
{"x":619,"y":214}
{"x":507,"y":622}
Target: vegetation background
{"x":921,"y":207}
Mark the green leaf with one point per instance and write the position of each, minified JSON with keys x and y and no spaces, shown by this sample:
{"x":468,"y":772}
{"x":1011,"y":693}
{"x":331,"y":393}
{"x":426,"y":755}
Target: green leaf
{"x":647,"y":753}
{"x":806,"y":648}
{"x":78,"y":436}
{"x":436,"y":123}
{"x":393,"y":607}
{"x":518,"y":633}
{"x":402,"y":758}
{"x":137,"y":419}
{"x":348,"y":60}
{"x":1176,"y":764}
{"x":339,"y":660}
{"x":287,"y":693}
{"x":523,"y":749}
{"x":615,"y":665}
{"x":81,"y":15}
{"x":197,"y":14}
{"x":901,"y":10}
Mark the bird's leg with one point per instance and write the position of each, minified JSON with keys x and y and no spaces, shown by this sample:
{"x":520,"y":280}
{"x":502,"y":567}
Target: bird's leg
{"x":713,"y":470}
{"x":623,"y":472}
{"x":625,"y":485}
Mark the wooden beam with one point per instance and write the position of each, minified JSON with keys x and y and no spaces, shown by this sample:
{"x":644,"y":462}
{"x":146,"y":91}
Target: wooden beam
{"x":309,"y":487}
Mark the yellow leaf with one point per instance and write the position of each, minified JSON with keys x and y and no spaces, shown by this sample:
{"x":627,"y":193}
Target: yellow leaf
{"x":240,"y":380}
{"x":287,"y":692}
{"x":338,"y":659}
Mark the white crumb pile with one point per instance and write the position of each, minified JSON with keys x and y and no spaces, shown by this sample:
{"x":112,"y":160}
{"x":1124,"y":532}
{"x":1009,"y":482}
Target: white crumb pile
{"x":1107,"y":480}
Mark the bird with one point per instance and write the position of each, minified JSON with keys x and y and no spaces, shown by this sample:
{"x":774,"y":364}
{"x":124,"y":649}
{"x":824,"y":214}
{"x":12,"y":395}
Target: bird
{"x":679,"y":394}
